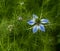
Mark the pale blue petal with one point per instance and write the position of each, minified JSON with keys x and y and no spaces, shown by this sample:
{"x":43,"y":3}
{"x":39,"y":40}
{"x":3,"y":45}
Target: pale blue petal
{"x":42,"y":28}
{"x":31,"y":22}
{"x":44,"y":21}
{"x":35,"y":16}
{"x":35,"y":29}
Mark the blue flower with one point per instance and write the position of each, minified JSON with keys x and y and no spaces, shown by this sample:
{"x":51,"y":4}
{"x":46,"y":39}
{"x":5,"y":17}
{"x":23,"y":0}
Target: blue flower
{"x":38,"y":25}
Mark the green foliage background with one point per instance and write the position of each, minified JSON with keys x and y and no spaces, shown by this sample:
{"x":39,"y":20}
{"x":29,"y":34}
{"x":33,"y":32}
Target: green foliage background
{"x":21,"y":38}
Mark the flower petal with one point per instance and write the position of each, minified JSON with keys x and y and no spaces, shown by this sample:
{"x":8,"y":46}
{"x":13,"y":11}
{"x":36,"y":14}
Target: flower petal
{"x":31,"y":22}
{"x":35,"y":16}
{"x":42,"y":28}
{"x":44,"y":20}
{"x":35,"y":28}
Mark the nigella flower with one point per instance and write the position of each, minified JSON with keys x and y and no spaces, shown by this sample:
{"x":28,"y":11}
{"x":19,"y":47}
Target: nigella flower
{"x":38,"y":24}
{"x":20,"y":18}
{"x":10,"y":27}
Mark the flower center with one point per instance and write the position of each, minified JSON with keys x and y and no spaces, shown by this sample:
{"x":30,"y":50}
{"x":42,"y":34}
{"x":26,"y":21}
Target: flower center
{"x":37,"y":21}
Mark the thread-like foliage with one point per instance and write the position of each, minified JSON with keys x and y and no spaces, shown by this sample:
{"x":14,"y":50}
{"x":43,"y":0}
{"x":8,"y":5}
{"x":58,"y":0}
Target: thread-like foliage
{"x":16,"y":34}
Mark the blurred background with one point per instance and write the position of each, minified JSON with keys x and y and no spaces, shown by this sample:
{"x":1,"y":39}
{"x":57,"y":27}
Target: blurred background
{"x":15,"y":34}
